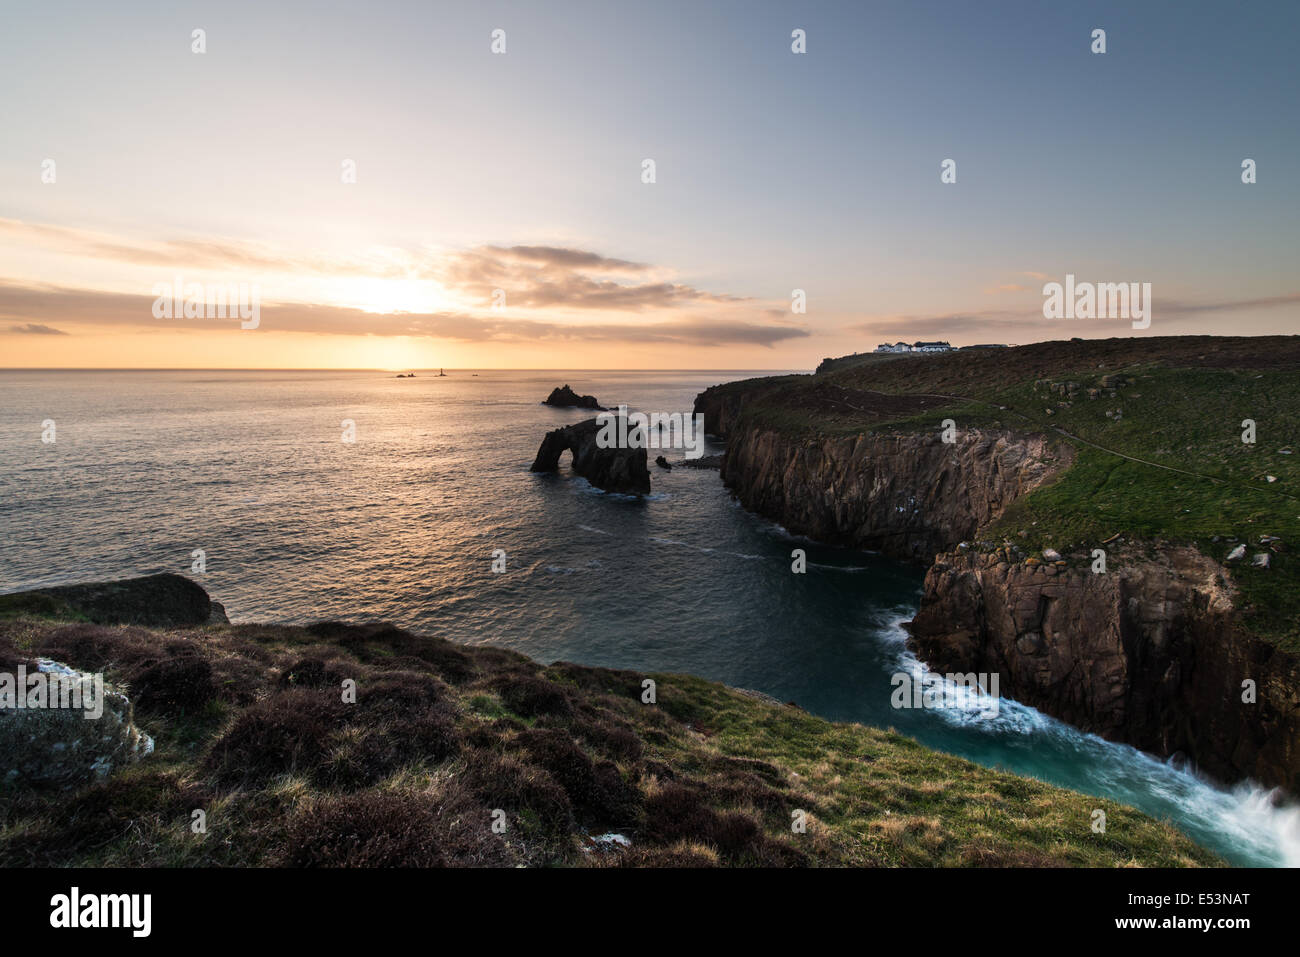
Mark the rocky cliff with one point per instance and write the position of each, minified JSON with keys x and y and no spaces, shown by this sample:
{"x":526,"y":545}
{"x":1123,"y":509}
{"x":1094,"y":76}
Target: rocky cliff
{"x":1149,"y":652}
{"x":907,"y":495}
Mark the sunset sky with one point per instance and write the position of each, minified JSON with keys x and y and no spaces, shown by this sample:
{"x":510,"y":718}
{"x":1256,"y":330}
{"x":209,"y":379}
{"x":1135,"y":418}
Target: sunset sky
{"x":522,"y":172}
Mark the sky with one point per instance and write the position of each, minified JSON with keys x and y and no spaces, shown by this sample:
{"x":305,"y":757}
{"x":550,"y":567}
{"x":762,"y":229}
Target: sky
{"x":499,"y":215}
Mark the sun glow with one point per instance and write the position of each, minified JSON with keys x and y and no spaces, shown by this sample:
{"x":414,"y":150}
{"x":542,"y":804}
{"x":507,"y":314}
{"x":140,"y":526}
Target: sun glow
{"x":381,"y":295}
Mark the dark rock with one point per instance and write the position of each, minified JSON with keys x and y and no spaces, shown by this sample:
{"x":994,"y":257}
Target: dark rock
{"x":565,"y":397}
{"x":662,"y":463}
{"x":703,"y":462}
{"x":157,"y":601}
{"x":611,"y":469}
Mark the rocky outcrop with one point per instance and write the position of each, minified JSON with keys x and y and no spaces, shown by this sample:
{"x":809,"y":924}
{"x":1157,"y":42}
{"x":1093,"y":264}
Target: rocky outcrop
{"x":1148,"y":653}
{"x":721,"y":406}
{"x":703,"y":462}
{"x":565,"y":397}
{"x":164,"y":600}
{"x":906,"y":495}
{"x":78,"y":730}
{"x":612,"y":469}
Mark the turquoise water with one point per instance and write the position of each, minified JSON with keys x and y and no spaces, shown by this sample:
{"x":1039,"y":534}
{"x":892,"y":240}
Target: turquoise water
{"x":298,"y":526}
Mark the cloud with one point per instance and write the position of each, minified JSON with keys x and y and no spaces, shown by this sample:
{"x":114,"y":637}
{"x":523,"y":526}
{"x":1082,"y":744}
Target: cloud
{"x":542,"y":277}
{"x":94,"y":308}
{"x":173,"y":253}
{"x":1228,"y":305}
{"x":33,"y":329}
{"x":533,"y":277}
{"x":568,"y":258}
{"x":1029,"y":322}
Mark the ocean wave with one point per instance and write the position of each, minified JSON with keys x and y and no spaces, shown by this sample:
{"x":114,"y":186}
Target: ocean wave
{"x":706,"y":549}
{"x":1260,"y":823}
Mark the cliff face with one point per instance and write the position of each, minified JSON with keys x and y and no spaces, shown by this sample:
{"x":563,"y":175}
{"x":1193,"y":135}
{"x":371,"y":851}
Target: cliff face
{"x":908,"y":495}
{"x":1148,"y":653}
{"x":720,"y":405}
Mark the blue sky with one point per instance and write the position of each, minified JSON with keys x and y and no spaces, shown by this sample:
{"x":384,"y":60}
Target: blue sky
{"x":775,"y":171}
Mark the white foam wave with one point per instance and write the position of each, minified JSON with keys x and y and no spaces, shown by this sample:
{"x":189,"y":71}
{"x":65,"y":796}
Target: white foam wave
{"x":1263,"y":823}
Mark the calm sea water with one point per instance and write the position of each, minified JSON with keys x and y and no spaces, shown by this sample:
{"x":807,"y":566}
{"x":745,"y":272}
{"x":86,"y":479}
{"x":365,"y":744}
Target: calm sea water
{"x":299,"y":526}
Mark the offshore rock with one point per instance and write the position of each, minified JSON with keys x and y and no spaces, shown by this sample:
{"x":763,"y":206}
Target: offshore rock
{"x":565,"y":397}
{"x":610,"y":469}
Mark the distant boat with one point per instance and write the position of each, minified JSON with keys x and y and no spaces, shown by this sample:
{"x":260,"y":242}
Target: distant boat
{"x":441,"y":373}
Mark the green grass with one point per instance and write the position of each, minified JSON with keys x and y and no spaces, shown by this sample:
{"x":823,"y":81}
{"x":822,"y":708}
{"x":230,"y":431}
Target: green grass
{"x":884,"y":799}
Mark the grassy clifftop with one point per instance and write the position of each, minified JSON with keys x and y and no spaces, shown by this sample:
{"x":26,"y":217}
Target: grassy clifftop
{"x":251,"y":729}
{"x":1157,"y":425}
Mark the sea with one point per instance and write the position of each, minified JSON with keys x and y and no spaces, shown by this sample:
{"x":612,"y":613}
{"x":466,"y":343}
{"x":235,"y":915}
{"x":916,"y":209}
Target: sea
{"x":410,"y":522}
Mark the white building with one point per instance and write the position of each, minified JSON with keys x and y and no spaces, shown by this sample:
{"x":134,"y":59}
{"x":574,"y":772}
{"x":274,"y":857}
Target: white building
{"x":931,"y":347}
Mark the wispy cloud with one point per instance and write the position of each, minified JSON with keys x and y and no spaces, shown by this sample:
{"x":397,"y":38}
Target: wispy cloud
{"x":1028,"y":323}
{"x":35,"y":329}
{"x":540,"y":277}
{"x":93,"y":308}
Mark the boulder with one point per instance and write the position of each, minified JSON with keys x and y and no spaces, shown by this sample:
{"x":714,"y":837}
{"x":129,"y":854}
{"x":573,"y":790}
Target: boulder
{"x":155,"y":601}
{"x":48,"y":746}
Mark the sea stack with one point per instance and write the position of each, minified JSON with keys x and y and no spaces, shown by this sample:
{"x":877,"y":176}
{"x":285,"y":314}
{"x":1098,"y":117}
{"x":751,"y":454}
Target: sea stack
{"x":565,"y":397}
{"x":611,"y":469}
